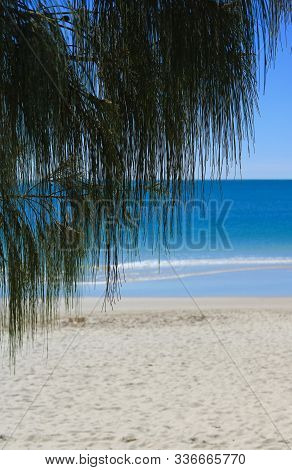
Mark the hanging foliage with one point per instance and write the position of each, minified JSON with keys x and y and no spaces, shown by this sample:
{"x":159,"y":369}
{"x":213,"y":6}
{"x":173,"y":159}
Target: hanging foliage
{"x":105,"y":102}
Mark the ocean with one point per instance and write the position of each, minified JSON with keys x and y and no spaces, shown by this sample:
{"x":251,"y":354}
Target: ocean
{"x":234,"y":238}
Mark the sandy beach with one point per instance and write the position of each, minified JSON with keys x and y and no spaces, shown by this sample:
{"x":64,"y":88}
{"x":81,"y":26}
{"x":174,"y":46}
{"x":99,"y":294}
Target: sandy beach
{"x":155,"y":374}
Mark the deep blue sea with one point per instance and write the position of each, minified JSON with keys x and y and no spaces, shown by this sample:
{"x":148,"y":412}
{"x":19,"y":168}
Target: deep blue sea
{"x":233,"y":238}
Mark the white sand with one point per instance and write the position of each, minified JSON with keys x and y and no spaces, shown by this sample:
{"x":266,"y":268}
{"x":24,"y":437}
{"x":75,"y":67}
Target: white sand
{"x":156,"y":374}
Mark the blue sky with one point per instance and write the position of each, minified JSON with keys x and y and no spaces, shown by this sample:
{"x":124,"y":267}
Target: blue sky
{"x":272,"y":158}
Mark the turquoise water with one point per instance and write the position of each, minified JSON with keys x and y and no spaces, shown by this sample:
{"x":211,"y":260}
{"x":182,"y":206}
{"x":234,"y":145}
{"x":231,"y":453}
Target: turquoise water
{"x":238,"y":242}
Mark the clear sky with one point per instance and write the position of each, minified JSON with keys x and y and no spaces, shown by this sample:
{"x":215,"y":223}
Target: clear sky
{"x":272,"y":158}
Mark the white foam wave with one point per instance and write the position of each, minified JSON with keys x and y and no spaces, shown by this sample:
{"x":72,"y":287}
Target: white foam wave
{"x":170,"y":274}
{"x":190,"y":262}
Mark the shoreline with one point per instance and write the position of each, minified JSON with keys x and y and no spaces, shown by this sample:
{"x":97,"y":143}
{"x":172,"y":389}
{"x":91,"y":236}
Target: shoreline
{"x":140,"y":304}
